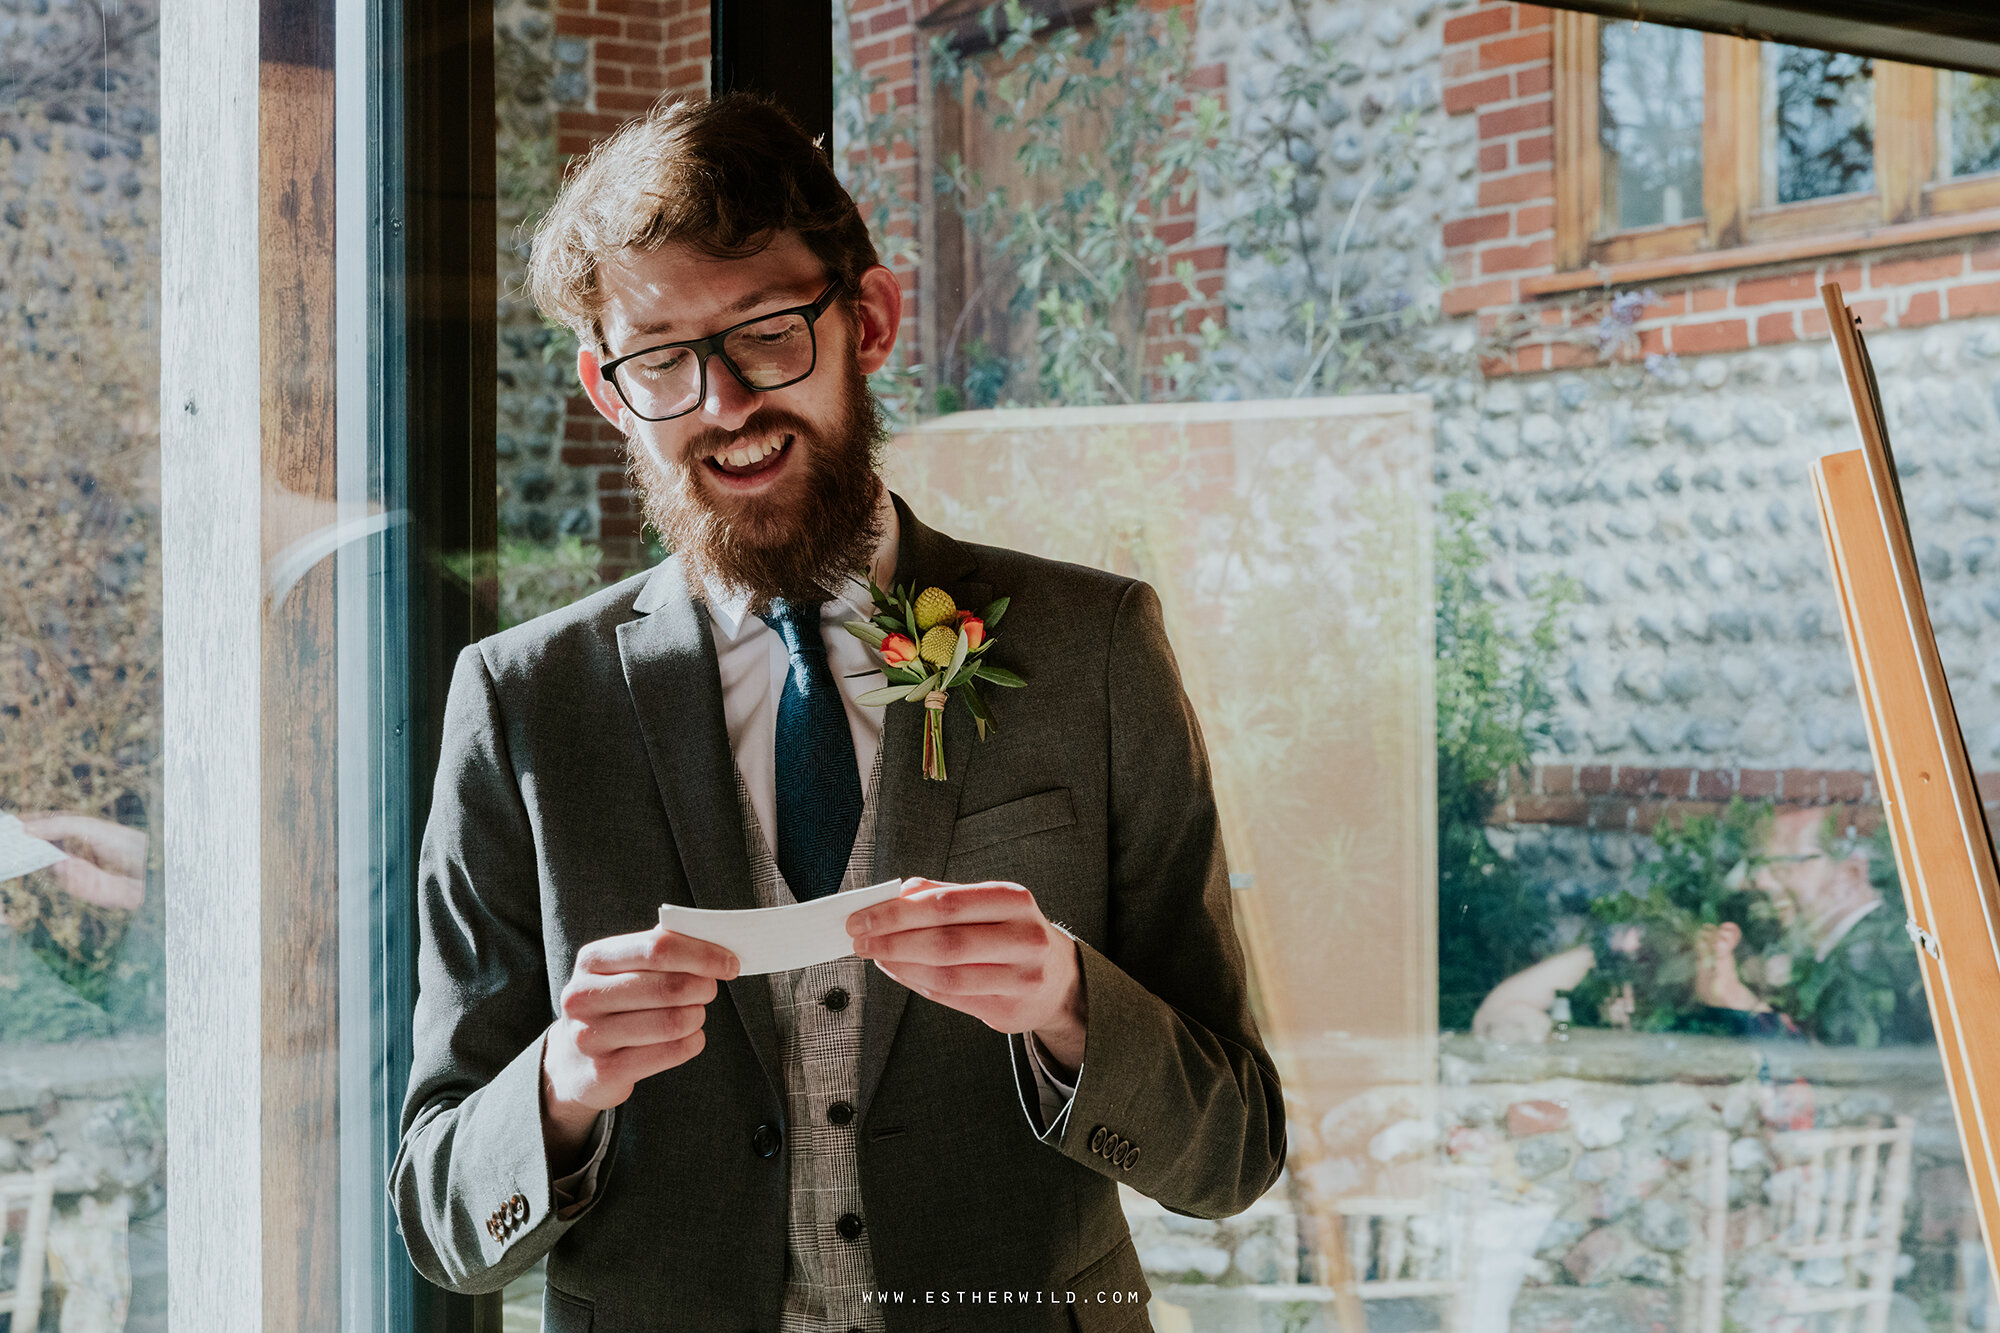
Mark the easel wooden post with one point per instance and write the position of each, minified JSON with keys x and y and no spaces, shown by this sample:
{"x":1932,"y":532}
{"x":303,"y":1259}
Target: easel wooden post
{"x":1936,"y":821}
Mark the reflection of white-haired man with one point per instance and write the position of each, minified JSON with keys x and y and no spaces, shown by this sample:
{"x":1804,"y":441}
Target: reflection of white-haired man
{"x":943,"y":1119}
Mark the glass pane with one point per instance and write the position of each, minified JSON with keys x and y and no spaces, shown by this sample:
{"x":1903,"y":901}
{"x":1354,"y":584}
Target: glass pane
{"x":1822,"y":122}
{"x":1650,"y":103}
{"x":81,"y":899}
{"x":1971,"y":123}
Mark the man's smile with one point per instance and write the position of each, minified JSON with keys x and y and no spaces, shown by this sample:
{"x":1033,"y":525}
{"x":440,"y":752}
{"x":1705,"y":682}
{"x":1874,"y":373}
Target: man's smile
{"x":751,"y":466}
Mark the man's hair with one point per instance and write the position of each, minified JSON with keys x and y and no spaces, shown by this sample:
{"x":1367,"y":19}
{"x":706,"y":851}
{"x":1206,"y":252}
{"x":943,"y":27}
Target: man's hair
{"x":724,"y":176}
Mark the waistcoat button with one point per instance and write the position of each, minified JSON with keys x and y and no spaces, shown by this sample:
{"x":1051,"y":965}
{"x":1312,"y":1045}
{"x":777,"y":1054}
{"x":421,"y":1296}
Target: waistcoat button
{"x":840,"y":1113}
{"x":849,"y":1226}
{"x":835,"y":999}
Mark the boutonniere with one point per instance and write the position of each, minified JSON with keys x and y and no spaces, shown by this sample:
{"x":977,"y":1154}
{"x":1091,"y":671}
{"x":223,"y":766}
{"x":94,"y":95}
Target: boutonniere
{"x":929,"y":650}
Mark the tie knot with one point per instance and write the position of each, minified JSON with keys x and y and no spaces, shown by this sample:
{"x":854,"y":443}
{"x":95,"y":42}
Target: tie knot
{"x":797,"y":625}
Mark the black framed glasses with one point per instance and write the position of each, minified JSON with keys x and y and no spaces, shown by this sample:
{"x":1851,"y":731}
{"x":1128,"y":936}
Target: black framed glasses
{"x":768,"y":352}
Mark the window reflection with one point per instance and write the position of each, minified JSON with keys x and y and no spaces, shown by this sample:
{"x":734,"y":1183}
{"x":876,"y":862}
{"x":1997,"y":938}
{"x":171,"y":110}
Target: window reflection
{"x":1822,"y":122}
{"x":1971,"y":123}
{"x":82,"y":1141}
{"x":1649,"y":120}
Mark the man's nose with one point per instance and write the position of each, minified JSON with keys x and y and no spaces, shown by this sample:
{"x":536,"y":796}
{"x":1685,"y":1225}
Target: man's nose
{"x":725,"y":402}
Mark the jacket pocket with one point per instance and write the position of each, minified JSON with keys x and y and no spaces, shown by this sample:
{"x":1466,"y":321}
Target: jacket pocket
{"x":1111,"y":1295}
{"x":564,"y":1313}
{"x":1039,"y":813}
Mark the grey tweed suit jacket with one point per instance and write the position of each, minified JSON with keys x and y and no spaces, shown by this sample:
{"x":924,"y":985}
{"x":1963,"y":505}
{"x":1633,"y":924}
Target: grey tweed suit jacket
{"x":586,"y":777}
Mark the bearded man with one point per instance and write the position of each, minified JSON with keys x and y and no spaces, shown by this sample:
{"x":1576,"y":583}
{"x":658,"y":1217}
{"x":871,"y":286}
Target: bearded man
{"x":928,"y":1134}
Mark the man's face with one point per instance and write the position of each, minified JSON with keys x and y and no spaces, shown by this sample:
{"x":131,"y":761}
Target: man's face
{"x":771,"y":492}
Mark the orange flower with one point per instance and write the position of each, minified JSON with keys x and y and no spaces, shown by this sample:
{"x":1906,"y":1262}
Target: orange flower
{"x":898,"y":650}
{"x":974,"y":629}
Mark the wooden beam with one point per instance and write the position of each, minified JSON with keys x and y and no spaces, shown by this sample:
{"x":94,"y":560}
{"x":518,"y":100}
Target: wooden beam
{"x":1579,"y":159}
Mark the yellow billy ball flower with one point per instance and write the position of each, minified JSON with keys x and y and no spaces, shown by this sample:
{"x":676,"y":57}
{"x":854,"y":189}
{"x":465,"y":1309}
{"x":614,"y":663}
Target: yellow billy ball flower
{"x":940,"y":641}
{"x":933,"y":607}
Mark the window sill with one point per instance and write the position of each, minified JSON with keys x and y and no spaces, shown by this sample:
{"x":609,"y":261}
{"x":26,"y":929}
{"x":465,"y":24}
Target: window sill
{"x":1765,"y":252}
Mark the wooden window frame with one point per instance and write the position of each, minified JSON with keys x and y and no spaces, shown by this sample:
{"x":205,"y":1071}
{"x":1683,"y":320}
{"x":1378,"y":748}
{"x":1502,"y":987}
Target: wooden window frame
{"x":1735,"y":215}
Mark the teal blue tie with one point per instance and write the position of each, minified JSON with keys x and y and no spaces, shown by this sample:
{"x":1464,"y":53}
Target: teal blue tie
{"x":818,"y":783}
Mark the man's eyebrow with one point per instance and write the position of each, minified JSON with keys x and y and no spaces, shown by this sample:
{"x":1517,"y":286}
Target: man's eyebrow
{"x":762,"y":296}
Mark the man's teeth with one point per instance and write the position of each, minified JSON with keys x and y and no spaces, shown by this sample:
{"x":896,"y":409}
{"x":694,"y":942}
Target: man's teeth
{"x":753,"y":453}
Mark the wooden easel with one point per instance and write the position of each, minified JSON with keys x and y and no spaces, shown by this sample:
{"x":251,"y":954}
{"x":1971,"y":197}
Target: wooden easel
{"x":1936,"y":821}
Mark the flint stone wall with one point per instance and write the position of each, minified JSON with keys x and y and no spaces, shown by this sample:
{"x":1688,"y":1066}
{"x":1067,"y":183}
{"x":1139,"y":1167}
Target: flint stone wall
{"x":1590,"y":1153}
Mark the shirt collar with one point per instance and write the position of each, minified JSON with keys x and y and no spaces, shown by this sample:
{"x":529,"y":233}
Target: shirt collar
{"x":728,"y":607}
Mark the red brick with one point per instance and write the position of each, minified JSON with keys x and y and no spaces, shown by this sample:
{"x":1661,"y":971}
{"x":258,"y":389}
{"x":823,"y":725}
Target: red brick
{"x":1715,"y":335}
{"x":1492,"y":159}
{"x":647,"y":9}
{"x":1983,"y":260}
{"x":1667,"y":307}
{"x":1555,"y":779}
{"x":637,"y":30}
{"x":1540,"y":148}
{"x":1800,"y":785}
{"x":688,"y":27}
{"x":1757,"y":783}
{"x":1460,"y":61}
{"x":582,"y":455}
{"x":1530,"y":16}
{"x":1921,"y":308}
{"x":1714,"y":784}
{"x":1479,"y":227}
{"x":1629,"y":781}
{"x":580,"y":25}
{"x":1676,"y":784}
{"x":889,"y":18}
{"x":1779,"y":327}
{"x":1901,"y":272}
{"x":1572,"y":810}
{"x":1532,"y":359}
{"x":1539,"y":1117}
{"x":1533,"y":218}
{"x":611,"y":479}
{"x":1570,"y":356}
{"x":1513,"y":258}
{"x":1533,"y":81}
{"x":581,"y":428}
{"x":1515,"y":119}
{"x":1812,"y":322}
{"x":1704,"y":299}
{"x":1652,"y":342}
{"x":1515,"y":50}
{"x":1518,"y":188}
{"x":616,"y":504}
{"x":633,"y":102}
{"x":1847,"y":275}
{"x":1462,"y":97}
{"x":1479,"y":23}
{"x":1594,"y":779}
{"x":1460,"y":300}
{"x":1846,"y":786}
{"x":624,"y":526}
{"x":1973,"y":299}
{"x":1790,"y":287}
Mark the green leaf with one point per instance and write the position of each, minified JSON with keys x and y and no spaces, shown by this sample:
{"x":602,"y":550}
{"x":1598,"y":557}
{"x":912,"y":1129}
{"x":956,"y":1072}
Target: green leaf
{"x":887,"y":695}
{"x":865,"y":632}
{"x":1000,"y":676}
{"x":994,"y":610}
{"x":977,"y":705}
{"x":958,"y":655}
{"x":922,"y":687}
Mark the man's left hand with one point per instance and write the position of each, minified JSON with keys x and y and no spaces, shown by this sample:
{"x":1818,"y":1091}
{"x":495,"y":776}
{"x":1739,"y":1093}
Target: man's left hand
{"x":984,"y":950}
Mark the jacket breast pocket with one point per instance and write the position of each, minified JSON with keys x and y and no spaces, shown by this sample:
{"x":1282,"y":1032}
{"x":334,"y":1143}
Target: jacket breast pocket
{"x":564,"y":1313}
{"x":1045,"y":810}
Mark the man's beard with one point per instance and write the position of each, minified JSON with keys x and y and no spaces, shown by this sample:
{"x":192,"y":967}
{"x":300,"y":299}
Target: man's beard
{"x":801,"y":544}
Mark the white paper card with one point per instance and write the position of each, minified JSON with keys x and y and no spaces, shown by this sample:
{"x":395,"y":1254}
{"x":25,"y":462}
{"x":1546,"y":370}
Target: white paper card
{"x":21,"y":853}
{"x":778,"y":939}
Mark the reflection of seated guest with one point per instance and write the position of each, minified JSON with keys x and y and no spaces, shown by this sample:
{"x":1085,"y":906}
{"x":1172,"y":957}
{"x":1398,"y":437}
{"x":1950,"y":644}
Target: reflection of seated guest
{"x":105,"y":863}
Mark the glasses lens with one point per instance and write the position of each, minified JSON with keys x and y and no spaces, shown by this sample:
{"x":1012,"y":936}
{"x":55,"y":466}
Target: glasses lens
{"x":772,"y":351}
{"x":662,"y":383}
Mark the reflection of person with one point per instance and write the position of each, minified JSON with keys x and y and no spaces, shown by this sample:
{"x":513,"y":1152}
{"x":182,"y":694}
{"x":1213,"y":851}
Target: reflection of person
{"x":105,"y":863}
{"x":723,"y":1152}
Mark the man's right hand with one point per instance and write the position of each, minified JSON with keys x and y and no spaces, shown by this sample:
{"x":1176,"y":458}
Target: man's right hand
{"x":633,"y":1007}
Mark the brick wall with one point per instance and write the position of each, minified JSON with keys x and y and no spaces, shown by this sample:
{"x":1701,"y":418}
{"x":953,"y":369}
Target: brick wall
{"x":639,"y":50}
{"x":1498,"y":66}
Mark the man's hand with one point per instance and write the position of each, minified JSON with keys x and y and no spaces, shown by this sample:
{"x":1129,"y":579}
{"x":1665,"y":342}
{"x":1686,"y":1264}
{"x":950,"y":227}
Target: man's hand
{"x":107,"y":862}
{"x":633,"y":1007}
{"x":985,"y":950}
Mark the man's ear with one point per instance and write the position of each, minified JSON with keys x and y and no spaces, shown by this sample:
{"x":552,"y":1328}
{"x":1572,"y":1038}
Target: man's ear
{"x":879,"y":306}
{"x":602,"y":396}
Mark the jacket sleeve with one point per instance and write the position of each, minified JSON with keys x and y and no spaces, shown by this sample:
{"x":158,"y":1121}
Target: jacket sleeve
{"x":1181,"y":1101}
{"x":471,"y":1184}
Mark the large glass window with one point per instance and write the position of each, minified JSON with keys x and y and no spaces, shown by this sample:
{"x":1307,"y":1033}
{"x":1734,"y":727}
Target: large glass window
{"x":1822,"y":123}
{"x":1969,"y":122}
{"x":82,"y":1135}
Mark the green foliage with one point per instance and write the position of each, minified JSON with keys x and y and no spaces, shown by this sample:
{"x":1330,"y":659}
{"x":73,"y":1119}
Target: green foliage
{"x":1492,"y":708}
{"x":535,"y":578}
{"x":1703,"y":876}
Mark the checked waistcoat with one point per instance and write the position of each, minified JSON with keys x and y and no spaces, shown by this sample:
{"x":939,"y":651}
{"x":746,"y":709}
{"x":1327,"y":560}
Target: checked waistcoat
{"x":819,"y":1047}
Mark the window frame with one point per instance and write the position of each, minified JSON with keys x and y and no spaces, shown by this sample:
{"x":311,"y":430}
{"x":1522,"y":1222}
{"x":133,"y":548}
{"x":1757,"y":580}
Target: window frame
{"x":1735,"y":216}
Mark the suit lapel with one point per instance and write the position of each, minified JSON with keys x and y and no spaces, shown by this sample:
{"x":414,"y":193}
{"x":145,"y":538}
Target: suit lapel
{"x":670,"y":670}
{"x":914,"y":816}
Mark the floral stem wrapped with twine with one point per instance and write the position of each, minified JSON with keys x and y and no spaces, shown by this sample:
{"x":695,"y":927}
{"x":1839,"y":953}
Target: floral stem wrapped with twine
{"x":929,"y":648}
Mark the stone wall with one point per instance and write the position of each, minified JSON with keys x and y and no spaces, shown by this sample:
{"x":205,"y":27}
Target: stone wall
{"x":1578,"y":1175}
